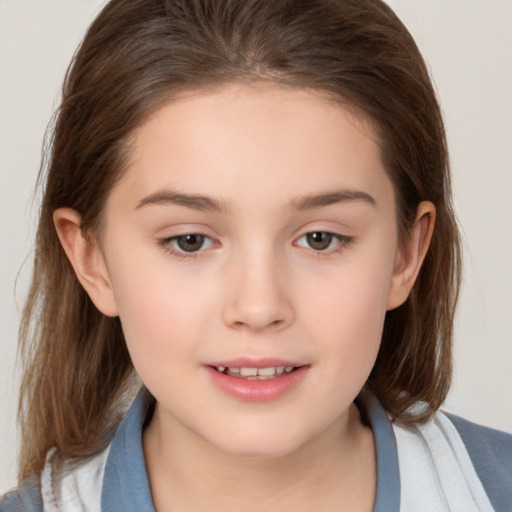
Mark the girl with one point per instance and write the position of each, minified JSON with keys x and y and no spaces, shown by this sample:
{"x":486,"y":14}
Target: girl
{"x":247,"y":223}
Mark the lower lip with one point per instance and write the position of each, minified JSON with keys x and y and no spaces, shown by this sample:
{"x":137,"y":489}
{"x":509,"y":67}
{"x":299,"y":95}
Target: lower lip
{"x":255,"y":390}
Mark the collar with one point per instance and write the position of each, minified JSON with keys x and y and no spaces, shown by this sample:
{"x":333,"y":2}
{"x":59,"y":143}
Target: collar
{"x":126,"y":484}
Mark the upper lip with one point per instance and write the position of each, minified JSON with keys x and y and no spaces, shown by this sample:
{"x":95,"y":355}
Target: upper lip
{"x":244,"y":362}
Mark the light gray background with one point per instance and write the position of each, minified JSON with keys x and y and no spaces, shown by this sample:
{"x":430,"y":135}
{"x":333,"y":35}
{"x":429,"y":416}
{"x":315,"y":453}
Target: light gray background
{"x":468,"y":45}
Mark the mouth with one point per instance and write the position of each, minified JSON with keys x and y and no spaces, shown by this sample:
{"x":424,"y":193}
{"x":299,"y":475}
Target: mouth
{"x":242,"y":372}
{"x":259,"y":380}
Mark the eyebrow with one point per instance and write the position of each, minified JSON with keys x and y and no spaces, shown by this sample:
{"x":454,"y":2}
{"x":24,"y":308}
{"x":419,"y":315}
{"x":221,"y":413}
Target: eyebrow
{"x":204,"y":203}
{"x":328,"y":198}
{"x":192,"y":201}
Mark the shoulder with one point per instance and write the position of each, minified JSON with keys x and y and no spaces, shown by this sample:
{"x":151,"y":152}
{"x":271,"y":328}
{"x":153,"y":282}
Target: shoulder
{"x":455,"y":465}
{"x":72,"y":485}
{"x":490,"y":451}
{"x":63,"y":486}
{"x":27,"y":498}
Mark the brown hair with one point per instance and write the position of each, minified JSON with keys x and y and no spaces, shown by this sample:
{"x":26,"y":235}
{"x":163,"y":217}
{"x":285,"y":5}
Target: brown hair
{"x":137,"y":55}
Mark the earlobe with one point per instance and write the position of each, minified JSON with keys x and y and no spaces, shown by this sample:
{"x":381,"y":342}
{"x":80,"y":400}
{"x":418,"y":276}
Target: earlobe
{"x":86,"y":258}
{"x":410,"y":256}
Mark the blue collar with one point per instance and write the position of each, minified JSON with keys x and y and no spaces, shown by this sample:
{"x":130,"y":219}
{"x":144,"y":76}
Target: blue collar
{"x":388,"y":472}
{"x":126,"y":484}
{"x":125,"y":481}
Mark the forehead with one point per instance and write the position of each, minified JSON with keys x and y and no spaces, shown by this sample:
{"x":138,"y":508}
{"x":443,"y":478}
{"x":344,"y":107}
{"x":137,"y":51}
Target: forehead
{"x":244,"y":143}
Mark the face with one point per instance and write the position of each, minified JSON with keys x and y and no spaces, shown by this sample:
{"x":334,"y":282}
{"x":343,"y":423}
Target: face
{"x":254,"y":232}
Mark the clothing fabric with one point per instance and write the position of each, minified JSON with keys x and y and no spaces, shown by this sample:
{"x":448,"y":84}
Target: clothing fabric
{"x":447,"y":465}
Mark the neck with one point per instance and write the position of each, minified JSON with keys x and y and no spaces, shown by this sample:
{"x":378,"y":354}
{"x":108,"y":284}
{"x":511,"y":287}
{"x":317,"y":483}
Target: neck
{"x":335,"y":471}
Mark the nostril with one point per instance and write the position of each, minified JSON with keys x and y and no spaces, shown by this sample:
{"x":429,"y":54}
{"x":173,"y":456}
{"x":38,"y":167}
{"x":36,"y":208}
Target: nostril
{"x":257,"y":312}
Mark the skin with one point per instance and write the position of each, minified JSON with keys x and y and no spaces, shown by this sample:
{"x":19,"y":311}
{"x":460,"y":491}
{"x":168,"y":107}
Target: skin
{"x":256,"y":288}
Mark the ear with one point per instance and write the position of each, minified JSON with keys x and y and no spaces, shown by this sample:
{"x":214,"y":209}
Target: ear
{"x":86,"y":259}
{"x":410,"y":255}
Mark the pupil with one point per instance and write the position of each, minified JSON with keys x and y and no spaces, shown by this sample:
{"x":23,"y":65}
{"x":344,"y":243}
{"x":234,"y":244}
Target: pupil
{"x":319,"y":240}
{"x":190,"y":243}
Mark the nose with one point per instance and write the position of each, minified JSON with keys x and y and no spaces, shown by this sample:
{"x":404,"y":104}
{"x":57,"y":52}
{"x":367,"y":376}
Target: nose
{"x":258,"y":298}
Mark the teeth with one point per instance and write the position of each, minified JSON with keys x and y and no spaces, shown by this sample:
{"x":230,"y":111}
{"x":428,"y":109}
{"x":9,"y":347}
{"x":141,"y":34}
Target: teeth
{"x":267,"y":371}
{"x":256,"y":372}
{"x":248,"y":372}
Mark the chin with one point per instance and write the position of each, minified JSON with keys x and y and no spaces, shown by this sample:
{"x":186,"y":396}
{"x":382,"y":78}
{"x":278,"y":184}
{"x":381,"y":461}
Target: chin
{"x":265,"y":442}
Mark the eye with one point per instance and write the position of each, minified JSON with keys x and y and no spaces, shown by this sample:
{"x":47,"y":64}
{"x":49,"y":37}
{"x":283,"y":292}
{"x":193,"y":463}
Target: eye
{"x":188,"y":243}
{"x":322,"y":240}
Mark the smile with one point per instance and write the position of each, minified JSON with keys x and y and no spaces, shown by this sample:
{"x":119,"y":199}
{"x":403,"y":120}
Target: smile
{"x":257,"y":381}
{"x":271,"y":372}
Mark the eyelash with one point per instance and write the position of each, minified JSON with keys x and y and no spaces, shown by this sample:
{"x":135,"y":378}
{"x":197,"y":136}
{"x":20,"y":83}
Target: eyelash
{"x":343,"y":242}
{"x":168,"y":244}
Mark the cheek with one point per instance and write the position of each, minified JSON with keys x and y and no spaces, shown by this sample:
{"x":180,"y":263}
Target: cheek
{"x":159,"y":310}
{"x":353,"y":297}
{"x":356,"y":325}
{"x":348,"y":312}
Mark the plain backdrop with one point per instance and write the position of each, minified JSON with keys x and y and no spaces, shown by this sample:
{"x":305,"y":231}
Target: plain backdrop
{"x":468,"y":45}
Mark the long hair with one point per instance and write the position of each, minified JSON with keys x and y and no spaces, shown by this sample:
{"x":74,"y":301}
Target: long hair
{"x":136,"y":56}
